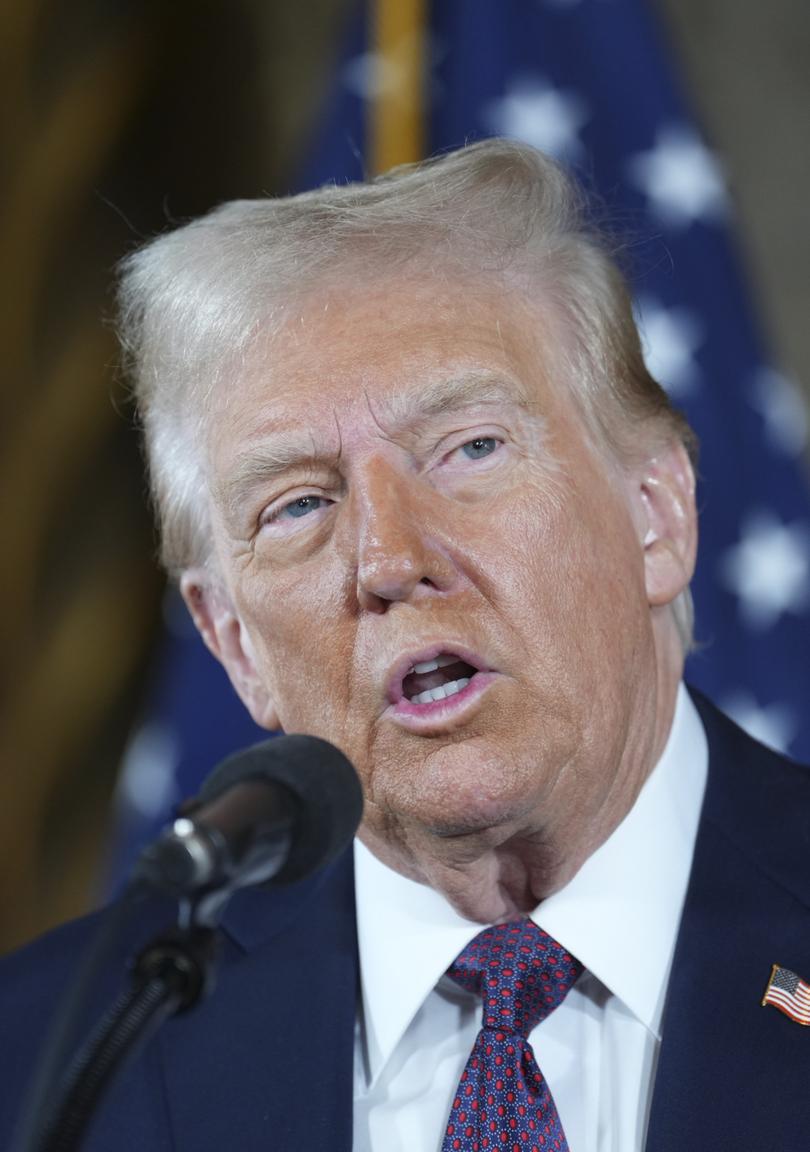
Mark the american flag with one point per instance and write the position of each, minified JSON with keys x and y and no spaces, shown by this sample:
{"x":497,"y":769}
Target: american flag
{"x":591,"y":82}
{"x":787,"y":992}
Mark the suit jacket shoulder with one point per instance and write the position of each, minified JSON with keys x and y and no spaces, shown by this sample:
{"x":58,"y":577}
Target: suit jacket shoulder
{"x":732,"y":1073}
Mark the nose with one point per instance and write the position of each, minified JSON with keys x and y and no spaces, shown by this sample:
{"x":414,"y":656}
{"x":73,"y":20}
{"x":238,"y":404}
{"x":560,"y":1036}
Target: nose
{"x":400,"y":555}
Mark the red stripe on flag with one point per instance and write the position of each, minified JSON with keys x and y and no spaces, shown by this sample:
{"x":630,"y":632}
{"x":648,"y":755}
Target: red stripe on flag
{"x":789,"y":1004}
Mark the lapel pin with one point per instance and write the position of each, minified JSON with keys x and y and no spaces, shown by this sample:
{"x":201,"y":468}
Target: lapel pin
{"x":789,"y":993}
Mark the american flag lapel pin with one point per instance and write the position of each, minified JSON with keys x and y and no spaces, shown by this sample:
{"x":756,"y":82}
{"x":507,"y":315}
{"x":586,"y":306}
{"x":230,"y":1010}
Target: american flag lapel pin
{"x":789,"y":993}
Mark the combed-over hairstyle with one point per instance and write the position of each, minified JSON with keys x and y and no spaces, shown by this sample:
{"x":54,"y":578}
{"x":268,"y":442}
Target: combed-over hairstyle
{"x":193,"y":301}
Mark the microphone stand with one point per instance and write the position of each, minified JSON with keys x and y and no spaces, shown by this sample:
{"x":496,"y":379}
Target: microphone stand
{"x":280,"y":810}
{"x":169,"y":976}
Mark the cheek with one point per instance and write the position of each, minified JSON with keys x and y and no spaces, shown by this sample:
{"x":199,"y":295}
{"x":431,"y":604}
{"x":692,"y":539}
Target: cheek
{"x":576,"y":578}
{"x":606,"y":619}
{"x":303,"y":639}
{"x":590,"y":652}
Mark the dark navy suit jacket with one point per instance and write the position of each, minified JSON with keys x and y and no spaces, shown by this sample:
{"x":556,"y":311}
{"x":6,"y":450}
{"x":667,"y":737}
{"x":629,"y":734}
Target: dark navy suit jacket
{"x":266,"y":1062}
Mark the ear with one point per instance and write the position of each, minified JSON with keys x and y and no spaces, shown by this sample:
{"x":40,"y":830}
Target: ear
{"x":669,"y":523}
{"x":219,"y":625}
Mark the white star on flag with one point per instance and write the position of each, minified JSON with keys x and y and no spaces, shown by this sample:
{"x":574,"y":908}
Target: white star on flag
{"x":773,"y":724}
{"x":374,"y":74}
{"x":782,"y":408}
{"x":769,"y":570}
{"x":371,"y":75}
{"x":670,"y":337}
{"x":540,"y":115}
{"x":147,"y":783}
{"x":681,"y":178}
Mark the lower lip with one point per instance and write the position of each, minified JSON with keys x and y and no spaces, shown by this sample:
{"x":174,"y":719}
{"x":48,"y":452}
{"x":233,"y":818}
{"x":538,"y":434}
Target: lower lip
{"x":438,"y":712}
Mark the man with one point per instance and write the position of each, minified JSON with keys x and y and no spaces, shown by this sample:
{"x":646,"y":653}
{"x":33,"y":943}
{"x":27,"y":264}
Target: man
{"x":424,"y":500}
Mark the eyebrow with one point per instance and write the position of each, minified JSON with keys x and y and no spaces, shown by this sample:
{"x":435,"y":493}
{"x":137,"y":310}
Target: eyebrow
{"x":261,"y":463}
{"x":283,"y":451}
{"x":451,"y":394}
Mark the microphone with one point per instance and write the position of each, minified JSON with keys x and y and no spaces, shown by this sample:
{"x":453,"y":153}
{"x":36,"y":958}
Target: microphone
{"x":278,"y":811}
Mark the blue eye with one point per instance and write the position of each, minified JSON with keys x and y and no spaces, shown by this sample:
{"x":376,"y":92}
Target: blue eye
{"x":302,"y":506}
{"x":479,"y":447}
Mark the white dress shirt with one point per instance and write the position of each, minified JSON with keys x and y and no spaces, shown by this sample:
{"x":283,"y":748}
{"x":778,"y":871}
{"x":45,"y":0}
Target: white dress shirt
{"x":619,"y":916}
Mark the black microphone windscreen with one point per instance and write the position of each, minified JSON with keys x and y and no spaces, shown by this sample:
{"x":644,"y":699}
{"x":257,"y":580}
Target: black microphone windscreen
{"x":325,"y":786}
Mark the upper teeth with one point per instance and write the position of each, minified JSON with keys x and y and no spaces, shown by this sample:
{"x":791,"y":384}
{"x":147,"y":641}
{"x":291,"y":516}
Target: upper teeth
{"x":432,"y":665}
{"x":440,"y":693}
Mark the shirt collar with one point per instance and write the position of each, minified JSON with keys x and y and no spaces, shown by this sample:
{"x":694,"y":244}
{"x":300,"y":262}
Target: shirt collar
{"x":619,"y":915}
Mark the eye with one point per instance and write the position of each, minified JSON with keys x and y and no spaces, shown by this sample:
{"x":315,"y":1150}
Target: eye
{"x":480,"y":447}
{"x":296,"y":509}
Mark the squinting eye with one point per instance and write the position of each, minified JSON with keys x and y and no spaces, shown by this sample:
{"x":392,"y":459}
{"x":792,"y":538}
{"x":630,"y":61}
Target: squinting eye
{"x":479,"y":447}
{"x":302,"y":506}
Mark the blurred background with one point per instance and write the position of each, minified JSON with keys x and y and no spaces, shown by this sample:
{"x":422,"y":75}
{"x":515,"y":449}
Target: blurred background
{"x":120,"y":119}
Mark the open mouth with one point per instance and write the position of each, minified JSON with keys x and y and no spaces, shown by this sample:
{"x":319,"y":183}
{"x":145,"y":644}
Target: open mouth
{"x":436,"y":688}
{"x":446,"y":675}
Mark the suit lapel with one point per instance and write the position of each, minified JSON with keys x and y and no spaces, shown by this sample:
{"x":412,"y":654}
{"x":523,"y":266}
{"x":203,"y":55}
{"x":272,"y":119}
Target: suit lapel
{"x":731,"y":1073}
{"x":267,"y":1061}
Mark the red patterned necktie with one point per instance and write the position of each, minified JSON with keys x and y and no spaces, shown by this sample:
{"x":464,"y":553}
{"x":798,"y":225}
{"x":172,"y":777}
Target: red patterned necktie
{"x":502,"y":1101}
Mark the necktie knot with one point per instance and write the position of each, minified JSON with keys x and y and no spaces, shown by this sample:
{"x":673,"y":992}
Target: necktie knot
{"x":502,"y":1099}
{"x":519,"y":971}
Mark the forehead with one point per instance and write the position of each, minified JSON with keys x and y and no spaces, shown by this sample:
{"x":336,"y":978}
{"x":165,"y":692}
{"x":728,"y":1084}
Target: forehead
{"x":389,"y":349}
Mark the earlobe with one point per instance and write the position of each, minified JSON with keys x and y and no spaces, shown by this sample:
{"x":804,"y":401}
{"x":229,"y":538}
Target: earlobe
{"x":219,"y":625}
{"x":670,"y":527}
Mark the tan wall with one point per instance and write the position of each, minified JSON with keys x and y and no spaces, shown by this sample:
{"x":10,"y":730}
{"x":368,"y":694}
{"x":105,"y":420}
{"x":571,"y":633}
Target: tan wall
{"x":746,"y":64}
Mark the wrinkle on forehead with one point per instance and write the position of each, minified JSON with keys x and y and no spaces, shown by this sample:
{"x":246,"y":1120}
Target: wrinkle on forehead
{"x":300,"y":411}
{"x":288,"y":447}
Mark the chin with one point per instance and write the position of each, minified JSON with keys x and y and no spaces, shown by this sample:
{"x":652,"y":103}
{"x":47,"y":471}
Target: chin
{"x":466,"y":828}
{"x":484,"y":903}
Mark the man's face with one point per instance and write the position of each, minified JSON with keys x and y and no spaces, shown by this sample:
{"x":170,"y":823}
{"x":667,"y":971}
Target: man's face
{"x":405,"y":501}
